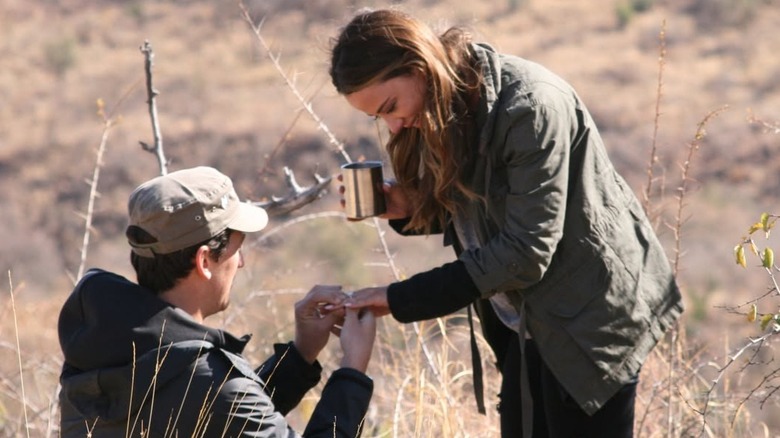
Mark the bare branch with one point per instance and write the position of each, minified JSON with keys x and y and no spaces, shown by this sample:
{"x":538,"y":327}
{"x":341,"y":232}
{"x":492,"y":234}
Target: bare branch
{"x":659,"y":94}
{"x":768,"y":127}
{"x":693,"y":146}
{"x":93,"y":194}
{"x":753,"y":343}
{"x":282,"y":141}
{"x":108,"y":123}
{"x":297,"y":196}
{"x":151,"y":92}
{"x":304,"y":103}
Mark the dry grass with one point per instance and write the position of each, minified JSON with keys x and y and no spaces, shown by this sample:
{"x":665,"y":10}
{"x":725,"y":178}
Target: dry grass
{"x":222,"y":103}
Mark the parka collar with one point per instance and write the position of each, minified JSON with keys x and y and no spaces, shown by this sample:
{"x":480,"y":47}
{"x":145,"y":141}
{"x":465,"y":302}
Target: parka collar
{"x":490,"y":64}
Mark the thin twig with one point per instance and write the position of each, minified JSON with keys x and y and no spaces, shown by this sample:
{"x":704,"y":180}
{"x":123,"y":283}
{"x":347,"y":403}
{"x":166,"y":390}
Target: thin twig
{"x":151,"y":92}
{"x":656,"y":121}
{"x":764,"y":381}
{"x":93,"y":192}
{"x":768,"y":127}
{"x":266,"y":168}
{"x":677,"y":229}
{"x":19,"y":354}
{"x":685,"y":180}
{"x":109,"y":121}
{"x":722,"y":371}
{"x":306,"y":104}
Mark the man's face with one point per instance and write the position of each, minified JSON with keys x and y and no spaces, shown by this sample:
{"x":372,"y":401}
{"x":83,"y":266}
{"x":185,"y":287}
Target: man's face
{"x":225,"y":270}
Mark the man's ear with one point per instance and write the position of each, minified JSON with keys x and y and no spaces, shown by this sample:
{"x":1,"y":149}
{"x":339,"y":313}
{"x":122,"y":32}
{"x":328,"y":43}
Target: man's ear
{"x":203,"y":262}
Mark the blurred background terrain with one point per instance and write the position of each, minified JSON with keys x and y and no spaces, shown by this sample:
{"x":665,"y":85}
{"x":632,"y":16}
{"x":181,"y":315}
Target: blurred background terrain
{"x":222,"y":103}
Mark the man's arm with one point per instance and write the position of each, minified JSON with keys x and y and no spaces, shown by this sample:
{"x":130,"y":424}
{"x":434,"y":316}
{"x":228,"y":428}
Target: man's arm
{"x":288,"y":376}
{"x":342,"y":406}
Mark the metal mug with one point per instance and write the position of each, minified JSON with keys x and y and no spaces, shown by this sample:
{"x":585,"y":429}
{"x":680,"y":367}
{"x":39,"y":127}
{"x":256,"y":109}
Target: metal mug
{"x":363,"y":194}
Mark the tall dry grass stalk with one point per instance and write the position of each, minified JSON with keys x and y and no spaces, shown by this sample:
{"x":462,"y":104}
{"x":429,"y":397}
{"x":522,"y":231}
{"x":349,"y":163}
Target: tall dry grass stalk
{"x":19,"y":354}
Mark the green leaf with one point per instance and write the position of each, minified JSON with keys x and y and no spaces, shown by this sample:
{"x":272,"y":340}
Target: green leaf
{"x":766,"y":225}
{"x":753,"y":313}
{"x":739,"y":254}
{"x":766,"y":319}
{"x":765,"y":221}
{"x":769,"y":258}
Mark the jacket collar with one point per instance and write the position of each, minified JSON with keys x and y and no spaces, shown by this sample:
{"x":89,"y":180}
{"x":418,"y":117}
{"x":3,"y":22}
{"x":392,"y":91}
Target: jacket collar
{"x":490,"y":64}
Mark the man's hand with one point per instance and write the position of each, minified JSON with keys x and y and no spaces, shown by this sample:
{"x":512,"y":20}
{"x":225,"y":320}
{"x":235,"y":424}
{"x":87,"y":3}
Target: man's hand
{"x":314,"y":322}
{"x":357,"y":338}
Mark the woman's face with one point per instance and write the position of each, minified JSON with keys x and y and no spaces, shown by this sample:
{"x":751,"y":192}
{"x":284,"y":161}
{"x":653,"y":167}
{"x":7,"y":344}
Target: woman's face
{"x":397,"y":101}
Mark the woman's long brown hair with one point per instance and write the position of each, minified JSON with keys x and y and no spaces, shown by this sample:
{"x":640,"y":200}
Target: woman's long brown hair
{"x":380,"y":45}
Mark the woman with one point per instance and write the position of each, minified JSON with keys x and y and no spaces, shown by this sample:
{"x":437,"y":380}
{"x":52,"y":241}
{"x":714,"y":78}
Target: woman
{"x":570,"y":283}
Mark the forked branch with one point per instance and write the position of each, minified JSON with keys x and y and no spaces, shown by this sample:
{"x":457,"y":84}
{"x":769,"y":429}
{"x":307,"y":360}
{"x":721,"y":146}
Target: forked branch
{"x":297,"y":196}
{"x":151,"y":92}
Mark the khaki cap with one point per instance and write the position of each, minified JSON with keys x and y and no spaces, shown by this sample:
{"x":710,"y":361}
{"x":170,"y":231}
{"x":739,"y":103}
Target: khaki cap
{"x":187,"y":207}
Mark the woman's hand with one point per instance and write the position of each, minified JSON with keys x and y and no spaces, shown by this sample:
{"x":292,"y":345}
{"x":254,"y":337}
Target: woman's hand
{"x":357,"y":338}
{"x":396,"y":201}
{"x":371,"y":298}
{"x":315,"y":317}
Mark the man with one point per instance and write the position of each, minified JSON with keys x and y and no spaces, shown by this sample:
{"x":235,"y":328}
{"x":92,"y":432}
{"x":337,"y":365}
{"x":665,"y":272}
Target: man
{"x":140,"y":362}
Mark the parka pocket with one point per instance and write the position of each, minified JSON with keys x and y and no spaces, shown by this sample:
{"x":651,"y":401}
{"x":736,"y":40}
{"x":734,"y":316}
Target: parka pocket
{"x":600,"y":306}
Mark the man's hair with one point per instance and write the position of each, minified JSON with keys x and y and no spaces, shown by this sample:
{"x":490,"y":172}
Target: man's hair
{"x":161,"y":272}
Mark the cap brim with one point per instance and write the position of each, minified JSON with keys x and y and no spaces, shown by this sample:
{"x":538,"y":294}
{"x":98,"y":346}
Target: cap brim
{"x":250,"y":219}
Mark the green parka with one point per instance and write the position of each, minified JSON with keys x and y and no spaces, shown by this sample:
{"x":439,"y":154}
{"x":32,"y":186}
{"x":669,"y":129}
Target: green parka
{"x":558,"y":231}
{"x":563,"y":234}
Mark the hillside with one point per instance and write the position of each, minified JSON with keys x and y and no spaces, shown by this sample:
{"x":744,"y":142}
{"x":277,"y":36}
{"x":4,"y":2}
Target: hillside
{"x":222,"y":103}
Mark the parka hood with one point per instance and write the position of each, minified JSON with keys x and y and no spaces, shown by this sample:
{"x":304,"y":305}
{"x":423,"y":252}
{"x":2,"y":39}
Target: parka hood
{"x":113,"y":331}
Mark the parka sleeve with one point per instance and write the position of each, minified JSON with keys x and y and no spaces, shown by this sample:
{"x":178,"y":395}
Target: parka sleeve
{"x":535,"y":154}
{"x":288,"y":377}
{"x":245,"y":408}
{"x":342,"y":407}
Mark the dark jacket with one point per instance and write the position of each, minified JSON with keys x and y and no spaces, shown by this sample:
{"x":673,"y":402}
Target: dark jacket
{"x":560,"y":232}
{"x":135,"y":365}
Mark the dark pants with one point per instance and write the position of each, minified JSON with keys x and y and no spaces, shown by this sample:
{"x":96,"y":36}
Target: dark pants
{"x":556,"y":414}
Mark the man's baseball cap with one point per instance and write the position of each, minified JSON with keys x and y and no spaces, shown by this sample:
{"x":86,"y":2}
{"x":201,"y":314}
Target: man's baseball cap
{"x":187,"y":207}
